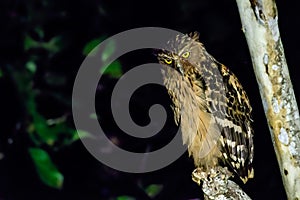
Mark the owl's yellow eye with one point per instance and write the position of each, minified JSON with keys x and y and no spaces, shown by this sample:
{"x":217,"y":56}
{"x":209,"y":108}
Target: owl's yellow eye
{"x":186,"y":54}
{"x":168,"y":61}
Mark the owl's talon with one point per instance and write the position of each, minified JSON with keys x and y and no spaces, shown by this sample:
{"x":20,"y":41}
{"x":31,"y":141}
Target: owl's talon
{"x":199,"y":174}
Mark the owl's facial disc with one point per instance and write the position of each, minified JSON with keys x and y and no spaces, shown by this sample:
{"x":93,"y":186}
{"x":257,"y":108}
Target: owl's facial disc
{"x":173,"y":60}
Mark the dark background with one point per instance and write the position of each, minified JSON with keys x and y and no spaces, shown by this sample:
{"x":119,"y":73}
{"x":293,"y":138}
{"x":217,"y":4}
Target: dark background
{"x":46,"y":73}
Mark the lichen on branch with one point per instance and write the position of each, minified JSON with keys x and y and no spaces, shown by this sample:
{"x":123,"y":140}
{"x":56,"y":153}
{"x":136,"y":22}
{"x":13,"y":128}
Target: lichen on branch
{"x":260,"y":24}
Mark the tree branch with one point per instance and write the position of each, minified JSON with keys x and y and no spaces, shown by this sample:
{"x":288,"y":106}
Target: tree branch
{"x":260,"y":25}
{"x":217,"y":186}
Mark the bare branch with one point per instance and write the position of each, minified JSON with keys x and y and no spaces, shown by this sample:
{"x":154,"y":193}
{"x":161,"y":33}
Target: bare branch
{"x":260,"y":25}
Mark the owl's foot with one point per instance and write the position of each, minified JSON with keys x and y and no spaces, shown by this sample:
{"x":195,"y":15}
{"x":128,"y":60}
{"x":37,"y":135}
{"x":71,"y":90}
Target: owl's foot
{"x":213,"y":181}
{"x":199,"y":174}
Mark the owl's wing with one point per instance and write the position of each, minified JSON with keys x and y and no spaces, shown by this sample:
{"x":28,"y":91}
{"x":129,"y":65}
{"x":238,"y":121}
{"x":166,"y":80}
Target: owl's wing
{"x":234,"y":120}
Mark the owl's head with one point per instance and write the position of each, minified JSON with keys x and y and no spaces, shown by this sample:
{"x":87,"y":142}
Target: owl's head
{"x":185,"y":50}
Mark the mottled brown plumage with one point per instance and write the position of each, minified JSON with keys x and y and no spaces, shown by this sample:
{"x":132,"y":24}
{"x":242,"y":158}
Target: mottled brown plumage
{"x":210,"y":106}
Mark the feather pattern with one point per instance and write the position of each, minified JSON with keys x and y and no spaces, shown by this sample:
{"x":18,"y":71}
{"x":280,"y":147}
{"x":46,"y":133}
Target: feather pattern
{"x":210,"y":105}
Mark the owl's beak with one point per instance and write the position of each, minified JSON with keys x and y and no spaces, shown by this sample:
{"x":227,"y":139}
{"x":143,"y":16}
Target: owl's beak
{"x":179,"y":67}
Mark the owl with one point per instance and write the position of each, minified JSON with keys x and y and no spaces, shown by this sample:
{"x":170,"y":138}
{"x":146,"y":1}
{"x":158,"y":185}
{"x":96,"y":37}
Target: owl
{"x":210,"y":106}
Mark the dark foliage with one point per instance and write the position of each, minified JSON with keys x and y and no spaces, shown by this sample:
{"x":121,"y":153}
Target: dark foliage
{"x":43,"y":44}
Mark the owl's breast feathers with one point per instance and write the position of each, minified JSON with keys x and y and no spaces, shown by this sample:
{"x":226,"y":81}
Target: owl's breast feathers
{"x":214,"y":114}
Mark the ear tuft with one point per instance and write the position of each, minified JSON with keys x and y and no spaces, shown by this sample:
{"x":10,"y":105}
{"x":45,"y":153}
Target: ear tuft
{"x":194,"y":35}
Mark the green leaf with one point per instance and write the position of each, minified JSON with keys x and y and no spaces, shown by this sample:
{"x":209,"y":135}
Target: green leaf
{"x":114,"y":69}
{"x":43,"y":132}
{"x":109,"y":49}
{"x":40,"y":32}
{"x":91,"y":45}
{"x":54,"y":45}
{"x":93,"y":116}
{"x":30,"y":43}
{"x":1,"y":73}
{"x":81,"y":134}
{"x":153,"y":190}
{"x":125,"y":198}
{"x":31,"y":66}
{"x":46,"y":169}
